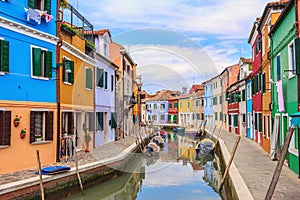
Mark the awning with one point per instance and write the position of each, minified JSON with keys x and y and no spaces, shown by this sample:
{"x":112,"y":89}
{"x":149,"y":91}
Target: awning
{"x":296,"y":119}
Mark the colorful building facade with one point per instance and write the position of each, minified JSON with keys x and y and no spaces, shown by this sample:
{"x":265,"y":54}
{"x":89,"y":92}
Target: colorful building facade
{"x":27,"y":114}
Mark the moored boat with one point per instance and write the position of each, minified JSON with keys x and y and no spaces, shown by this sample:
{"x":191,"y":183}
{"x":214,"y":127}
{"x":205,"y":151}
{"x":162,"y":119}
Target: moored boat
{"x":205,"y":146}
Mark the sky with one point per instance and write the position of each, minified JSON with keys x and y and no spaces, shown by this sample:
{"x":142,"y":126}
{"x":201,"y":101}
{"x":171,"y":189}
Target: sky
{"x":177,"y":43}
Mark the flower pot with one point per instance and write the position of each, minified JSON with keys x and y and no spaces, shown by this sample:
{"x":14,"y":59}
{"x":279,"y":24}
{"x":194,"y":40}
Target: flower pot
{"x":16,"y":123}
{"x":22,"y":135}
{"x":38,"y":139}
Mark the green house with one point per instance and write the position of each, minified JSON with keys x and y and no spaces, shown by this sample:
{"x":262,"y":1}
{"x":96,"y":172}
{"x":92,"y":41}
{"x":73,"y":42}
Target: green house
{"x":284,"y":47}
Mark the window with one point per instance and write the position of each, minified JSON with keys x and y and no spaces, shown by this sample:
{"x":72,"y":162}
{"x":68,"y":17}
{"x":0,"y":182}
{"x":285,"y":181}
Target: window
{"x":105,"y":80}
{"x":100,"y":77}
{"x":180,"y":104}
{"x":89,"y":121}
{"x":162,"y":106}
{"x":88,"y":78}
{"x":278,"y":68}
{"x":5,"y":128}
{"x":188,"y":105}
{"x":263,"y":43}
{"x":221,"y":99}
{"x":221,"y":116}
{"x":258,"y":46}
{"x":105,"y":50}
{"x":170,"y":105}
{"x":216,"y":116}
{"x":292,"y":63}
{"x":112,"y":82}
{"x":154,"y":117}
{"x":44,"y":5}
{"x":263,"y":83}
{"x":67,"y":123}
{"x":176,"y":105}
{"x":68,"y":71}
{"x":41,"y":126}
{"x":41,"y":63}
{"x":100,"y":121}
{"x":155,"y":106}
{"x":197,"y":103}
{"x":114,"y":120}
{"x":4,"y":56}
{"x":162,"y":117}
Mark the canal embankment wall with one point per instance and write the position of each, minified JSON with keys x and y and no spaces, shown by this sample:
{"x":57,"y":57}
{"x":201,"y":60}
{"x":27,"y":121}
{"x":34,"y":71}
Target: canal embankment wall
{"x":234,"y":185}
{"x":59,"y":185}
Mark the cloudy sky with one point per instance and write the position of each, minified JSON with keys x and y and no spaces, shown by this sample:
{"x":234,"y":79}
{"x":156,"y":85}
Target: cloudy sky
{"x":176,"y":42}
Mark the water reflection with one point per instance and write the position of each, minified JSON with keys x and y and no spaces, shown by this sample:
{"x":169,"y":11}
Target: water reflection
{"x":177,"y":173}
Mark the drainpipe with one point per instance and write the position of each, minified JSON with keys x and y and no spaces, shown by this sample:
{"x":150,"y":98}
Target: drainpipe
{"x":122,"y":51}
{"x":58,"y":45}
{"x":298,"y":77}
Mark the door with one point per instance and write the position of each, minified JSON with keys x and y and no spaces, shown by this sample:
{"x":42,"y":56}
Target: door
{"x":79,"y":130}
{"x":106,"y":139}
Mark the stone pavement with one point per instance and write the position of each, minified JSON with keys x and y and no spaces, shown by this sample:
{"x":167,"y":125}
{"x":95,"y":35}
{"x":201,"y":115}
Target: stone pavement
{"x":257,"y":169}
{"x":104,"y":151}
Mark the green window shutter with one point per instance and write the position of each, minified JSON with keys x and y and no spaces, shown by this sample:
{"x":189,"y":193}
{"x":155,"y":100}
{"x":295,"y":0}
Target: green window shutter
{"x":48,"y":62}
{"x":101,"y":121}
{"x":169,"y":118}
{"x":263,"y":84}
{"x":88,"y":78}
{"x":71,"y":75}
{"x":175,"y":117}
{"x":235,"y":120}
{"x":101,"y":77}
{"x":4,"y":56}
{"x":112,"y":82}
{"x":31,"y":3}
{"x":47,"y":6}
{"x":113,"y":120}
{"x":98,"y":76}
{"x":36,"y":61}
{"x":105,"y":77}
{"x":297,"y":55}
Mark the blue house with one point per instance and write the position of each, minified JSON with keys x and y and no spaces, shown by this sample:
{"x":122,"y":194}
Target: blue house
{"x":28,"y":80}
{"x":249,"y":120}
{"x":208,"y":103}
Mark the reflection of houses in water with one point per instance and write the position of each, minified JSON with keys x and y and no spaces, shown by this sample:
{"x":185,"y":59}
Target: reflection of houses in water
{"x":186,"y":150}
{"x":212,"y":173}
{"x":122,"y":187}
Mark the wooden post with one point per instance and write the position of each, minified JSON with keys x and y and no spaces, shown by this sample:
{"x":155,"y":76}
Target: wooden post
{"x":279,"y":164}
{"x":203,"y":128}
{"x":213,"y":131}
{"x":40,"y":173}
{"x":229,"y":163}
{"x":218,"y":136}
{"x":76,"y":163}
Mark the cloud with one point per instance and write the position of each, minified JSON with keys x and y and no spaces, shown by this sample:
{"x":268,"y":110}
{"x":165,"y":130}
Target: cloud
{"x":230,"y":18}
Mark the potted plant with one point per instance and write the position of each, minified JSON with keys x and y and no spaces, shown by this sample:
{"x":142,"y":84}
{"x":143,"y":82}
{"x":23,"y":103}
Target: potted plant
{"x":23,"y":133}
{"x":68,"y":29}
{"x":38,"y":136}
{"x":17,"y":121}
{"x":64,"y":4}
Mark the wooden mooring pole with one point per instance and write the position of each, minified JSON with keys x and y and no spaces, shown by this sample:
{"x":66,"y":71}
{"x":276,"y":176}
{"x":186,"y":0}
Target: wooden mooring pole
{"x":229,"y":163}
{"x":280,"y":163}
{"x":77,"y":172}
{"x":40,"y":174}
{"x":218,"y":136}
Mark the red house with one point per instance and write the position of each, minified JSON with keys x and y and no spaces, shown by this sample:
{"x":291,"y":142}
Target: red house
{"x":233,"y":98}
{"x":255,"y":42}
{"x":173,"y":110}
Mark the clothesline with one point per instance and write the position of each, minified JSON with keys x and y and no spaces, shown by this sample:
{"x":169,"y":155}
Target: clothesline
{"x":37,"y":15}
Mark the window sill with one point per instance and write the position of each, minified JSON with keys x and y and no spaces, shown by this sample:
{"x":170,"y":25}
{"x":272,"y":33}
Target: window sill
{"x":4,"y":147}
{"x":292,"y":76}
{"x":67,"y":83}
{"x":42,"y":142}
{"x":40,"y":78}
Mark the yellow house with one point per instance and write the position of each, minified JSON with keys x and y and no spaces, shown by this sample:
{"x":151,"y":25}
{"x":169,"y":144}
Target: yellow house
{"x":185,"y":110}
{"x":75,"y":89}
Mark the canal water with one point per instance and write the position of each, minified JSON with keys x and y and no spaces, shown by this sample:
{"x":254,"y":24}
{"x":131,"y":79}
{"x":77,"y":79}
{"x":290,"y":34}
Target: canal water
{"x":176,"y":173}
